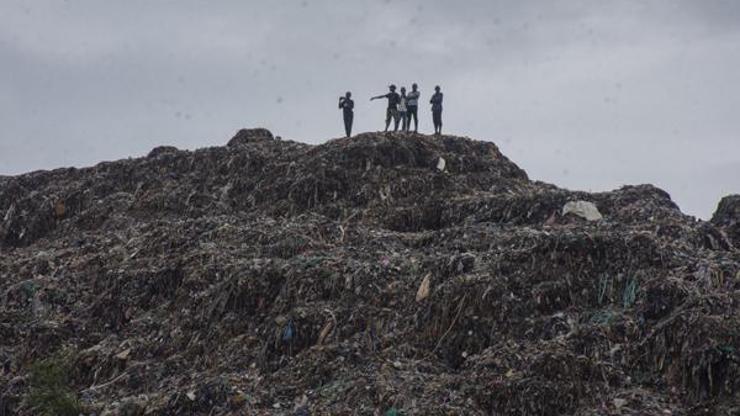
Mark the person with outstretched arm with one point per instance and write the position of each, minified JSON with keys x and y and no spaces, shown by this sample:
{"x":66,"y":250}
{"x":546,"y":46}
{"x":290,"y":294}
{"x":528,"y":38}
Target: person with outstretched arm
{"x":392,"y":111}
{"x":436,"y":103}
{"x":412,"y":108}
{"x":347,"y":106}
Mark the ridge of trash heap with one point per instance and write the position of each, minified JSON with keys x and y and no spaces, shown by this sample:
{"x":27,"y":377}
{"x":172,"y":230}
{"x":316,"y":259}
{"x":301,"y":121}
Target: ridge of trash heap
{"x":383,"y":274}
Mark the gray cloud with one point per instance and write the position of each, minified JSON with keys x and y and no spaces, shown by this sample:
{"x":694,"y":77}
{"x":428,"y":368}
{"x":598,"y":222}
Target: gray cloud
{"x":585,"y":94}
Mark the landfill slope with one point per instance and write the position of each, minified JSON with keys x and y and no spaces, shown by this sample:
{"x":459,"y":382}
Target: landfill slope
{"x":384,"y":274}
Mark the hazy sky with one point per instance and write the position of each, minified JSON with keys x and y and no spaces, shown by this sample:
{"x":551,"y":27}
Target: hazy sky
{"x":586,"y":94}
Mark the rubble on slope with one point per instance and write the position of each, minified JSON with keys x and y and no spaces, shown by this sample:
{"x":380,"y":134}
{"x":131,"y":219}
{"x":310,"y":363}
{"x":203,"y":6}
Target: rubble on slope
{"x":272,"y":277}
{"x":727,"y":217}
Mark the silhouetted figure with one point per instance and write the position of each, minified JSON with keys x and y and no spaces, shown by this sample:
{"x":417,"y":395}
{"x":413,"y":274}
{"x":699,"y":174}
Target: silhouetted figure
{"x":412,"y":108}
{"x":347,"y":106}
{"x":402,"y":110}
{"x":436,"y":103}
{"x":392,"y":111}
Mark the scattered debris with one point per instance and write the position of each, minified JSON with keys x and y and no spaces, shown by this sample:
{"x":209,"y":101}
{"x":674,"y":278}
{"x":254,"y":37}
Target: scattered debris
{"x":583,"y":209}
{"x":441,"y":164}
{"x":727,"y":218}
{"x":123,"y":355}
{"x":423,"y":291}
{"x":272,"y":277}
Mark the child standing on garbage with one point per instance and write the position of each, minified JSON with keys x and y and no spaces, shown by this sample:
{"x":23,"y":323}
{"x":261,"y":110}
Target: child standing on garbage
{"x":392,"y":110}
{"x":347,"y":106}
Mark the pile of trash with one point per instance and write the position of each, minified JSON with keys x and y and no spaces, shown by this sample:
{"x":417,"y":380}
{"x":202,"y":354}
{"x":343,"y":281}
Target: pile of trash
{"x":727,"y":218}
{"x":383,"y":274}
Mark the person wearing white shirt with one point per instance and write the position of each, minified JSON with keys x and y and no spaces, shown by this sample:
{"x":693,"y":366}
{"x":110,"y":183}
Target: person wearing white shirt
{"x":402,"y":110}
{"x":412,"y":107}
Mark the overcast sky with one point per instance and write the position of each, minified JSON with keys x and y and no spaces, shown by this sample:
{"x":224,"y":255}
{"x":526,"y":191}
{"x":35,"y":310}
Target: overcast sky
{"x":586,"y":94}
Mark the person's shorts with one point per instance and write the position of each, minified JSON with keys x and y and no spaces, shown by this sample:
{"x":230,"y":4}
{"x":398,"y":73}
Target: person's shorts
{"x":391,"y":113}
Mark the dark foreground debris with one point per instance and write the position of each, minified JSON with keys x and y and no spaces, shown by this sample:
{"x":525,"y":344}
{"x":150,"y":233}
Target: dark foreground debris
{"x":377,"y":275}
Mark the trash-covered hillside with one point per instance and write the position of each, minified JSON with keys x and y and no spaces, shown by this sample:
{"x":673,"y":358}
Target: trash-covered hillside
{"x":384,"y":274}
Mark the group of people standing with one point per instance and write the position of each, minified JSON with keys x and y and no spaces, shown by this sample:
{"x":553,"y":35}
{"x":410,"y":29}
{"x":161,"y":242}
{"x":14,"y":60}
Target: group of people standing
{"x":401,"y":109}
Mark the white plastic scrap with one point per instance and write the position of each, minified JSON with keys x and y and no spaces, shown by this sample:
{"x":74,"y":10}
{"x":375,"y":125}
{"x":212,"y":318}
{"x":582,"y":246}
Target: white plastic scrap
{"x":583,"y":209}
{"x":441,"y":163}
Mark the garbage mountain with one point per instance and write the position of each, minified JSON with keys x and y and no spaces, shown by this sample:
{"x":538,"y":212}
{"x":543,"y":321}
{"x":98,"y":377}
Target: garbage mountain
{"x":383,"y":274}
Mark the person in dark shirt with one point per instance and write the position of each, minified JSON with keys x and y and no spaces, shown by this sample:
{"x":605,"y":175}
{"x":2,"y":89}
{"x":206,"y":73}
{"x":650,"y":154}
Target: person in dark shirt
{"x":436,"y":103}
{"x":392,"y":112}
{"x":412,"y":107}
{"x":347,"y":106}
